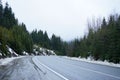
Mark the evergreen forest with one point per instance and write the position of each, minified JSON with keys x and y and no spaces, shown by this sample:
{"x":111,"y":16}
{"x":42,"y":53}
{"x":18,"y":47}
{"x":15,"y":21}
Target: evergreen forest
{"x":102,"y":42}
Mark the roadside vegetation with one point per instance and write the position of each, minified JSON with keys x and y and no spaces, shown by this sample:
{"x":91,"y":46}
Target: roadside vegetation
{"x":102,"y":42}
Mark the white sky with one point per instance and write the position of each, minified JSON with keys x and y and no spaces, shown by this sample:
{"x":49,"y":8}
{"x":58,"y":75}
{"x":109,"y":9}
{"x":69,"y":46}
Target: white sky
{"x":65,"y":18}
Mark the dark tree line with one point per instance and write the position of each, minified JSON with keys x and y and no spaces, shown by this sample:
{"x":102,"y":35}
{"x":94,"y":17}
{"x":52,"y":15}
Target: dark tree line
{"x":55,"y":43}
{"x":102,"y":41}
{"x":7,"y":18}
{"x":12,"y":33}
{"x":16,"y":36}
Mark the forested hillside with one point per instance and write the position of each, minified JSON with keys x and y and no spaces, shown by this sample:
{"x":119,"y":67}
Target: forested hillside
{"x":102,"y":41}
{"x":16,"y":36}
{"x":12,"y":33}
{"x":54,"y":43}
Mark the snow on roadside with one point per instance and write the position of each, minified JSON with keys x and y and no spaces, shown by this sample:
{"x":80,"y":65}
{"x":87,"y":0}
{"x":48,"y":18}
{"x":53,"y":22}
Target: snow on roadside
{"x":25,"y":53}
{"x":93,"y":61}
{"x":12,"y":52}
{"x":0,"y":54}
{"x":42,"y":51}
{"x":8,"y":60}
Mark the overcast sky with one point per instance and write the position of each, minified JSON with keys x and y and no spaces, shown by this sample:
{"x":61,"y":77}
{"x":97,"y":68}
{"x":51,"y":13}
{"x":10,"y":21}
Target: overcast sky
{"x":65,"y":18}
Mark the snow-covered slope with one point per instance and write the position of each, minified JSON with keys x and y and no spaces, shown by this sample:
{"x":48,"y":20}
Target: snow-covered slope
{"x":36,"y":51}
{"x":42,"y":51}
{"x":90,"y":60}
{"x":10,"y":52}
{"x":8,"y":60}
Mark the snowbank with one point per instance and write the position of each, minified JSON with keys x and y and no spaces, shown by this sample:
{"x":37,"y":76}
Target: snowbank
{"x":0,"y":54}
{"x":8,"y":60}
{"x":25,"y":53}
{"x":93,"y":61}
{"x":42,"y":51}
{"x":12,"y":52}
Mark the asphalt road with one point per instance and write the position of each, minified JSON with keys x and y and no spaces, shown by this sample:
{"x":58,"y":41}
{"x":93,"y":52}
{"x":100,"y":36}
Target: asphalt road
{"x":56,"y":68}
{"x":78,"y":70}
{"x":21,"y":69}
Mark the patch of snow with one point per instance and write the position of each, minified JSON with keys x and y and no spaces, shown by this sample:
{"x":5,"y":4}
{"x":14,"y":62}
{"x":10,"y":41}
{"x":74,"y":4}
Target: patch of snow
{"x":35,"y":46}
{"x":11,"y":51}
{"x":44,"y":54}
{"x":52,"y":52}
{"x":0,"y":54}
{"x":34,"y":50}
{"x":8,"y":60}
{"x":25,"y":53}
{"x":90,"y":60}
{"x":42,"y":51}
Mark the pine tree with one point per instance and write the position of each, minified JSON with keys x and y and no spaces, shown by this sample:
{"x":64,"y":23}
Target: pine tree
{"x":1,"y":13}
{"x":8,"y":17}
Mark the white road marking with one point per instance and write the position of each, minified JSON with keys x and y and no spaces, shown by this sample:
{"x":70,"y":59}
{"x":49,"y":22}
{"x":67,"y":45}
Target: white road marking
{"x":100,"y":73}
{"x":58,"y":74}
{"x":109,"y":75}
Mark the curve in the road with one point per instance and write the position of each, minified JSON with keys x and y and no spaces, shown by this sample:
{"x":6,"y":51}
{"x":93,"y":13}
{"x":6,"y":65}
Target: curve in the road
{"x":75,"y":70}
{"x":58,"y":74}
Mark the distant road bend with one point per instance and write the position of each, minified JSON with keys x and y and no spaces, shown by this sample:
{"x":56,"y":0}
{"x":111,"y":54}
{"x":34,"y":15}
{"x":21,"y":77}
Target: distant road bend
{"x":56,"y":68}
